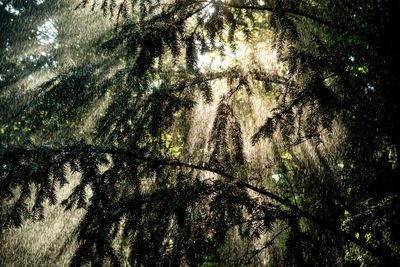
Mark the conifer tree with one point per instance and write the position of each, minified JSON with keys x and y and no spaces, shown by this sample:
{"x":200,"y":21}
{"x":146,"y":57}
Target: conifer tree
{"x":148,"y":186}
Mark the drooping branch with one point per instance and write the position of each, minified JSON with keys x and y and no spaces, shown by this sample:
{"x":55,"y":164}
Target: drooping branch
{"x":299,"y":13}
{"x":137,"y":155}
{"x":288,"y":11}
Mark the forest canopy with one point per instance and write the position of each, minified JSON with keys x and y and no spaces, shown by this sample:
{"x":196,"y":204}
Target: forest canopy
{"x":204,"y":133}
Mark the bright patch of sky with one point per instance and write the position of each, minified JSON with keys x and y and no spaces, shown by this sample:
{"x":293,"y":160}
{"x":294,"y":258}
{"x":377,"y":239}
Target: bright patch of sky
{"x":370,"y":87}
{"x":209,"y":10}
{"x":12,"y":10}
{"x":155,"y":84}
{"x":47,"y":32}
{"x":277,"y":176}
{"x":214,"y":60}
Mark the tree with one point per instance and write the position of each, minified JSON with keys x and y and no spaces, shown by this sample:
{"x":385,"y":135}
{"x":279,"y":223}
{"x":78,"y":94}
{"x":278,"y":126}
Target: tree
{"x":173,"y":197}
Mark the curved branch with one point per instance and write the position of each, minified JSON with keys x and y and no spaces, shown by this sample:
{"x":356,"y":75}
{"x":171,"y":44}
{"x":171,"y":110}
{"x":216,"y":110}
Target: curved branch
{"x":299,"y":13}
{"x":137,"y":155}
{"x":289,"y":11}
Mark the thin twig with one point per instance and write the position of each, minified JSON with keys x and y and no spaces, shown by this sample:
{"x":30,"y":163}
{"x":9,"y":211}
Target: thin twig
{"x":269,"y":243}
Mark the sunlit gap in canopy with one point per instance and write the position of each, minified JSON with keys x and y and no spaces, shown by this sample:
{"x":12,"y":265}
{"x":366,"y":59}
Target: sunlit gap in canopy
{"x":46,"y":36}
{"x":245,"y":54}
{"x":11,"y":9}
{"x":213,"y":60}
{"x":223,"y":56}
{"x":15,"y":11}
{"x":47,"y":33}
{"x":220,"y":60}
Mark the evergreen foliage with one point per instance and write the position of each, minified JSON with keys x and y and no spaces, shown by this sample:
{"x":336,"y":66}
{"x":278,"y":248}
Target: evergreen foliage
{"x":147,"y":189}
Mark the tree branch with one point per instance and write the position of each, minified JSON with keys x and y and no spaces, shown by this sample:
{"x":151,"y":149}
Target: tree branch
{"x":289,"y":11}
{"x":81,"y":147}
{"x":300,"y":13}
{"x":269,"y":243}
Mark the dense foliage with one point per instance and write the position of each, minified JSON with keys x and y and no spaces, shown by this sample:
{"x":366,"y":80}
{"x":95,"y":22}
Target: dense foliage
{"x":175,"y":168}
